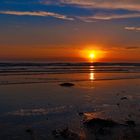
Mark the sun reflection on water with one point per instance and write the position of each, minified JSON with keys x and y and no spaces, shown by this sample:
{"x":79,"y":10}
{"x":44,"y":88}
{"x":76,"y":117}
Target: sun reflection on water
{"x":91,"y":74}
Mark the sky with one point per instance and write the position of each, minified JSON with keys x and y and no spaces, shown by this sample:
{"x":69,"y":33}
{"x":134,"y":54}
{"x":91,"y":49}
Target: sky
{"x":65,"y":30}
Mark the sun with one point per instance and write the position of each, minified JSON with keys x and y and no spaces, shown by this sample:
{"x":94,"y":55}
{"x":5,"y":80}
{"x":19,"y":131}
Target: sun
{"x":92,"y":56}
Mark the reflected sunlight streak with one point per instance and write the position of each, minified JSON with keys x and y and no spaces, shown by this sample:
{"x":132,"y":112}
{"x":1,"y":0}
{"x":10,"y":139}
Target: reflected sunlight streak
{"x":91,"y":74}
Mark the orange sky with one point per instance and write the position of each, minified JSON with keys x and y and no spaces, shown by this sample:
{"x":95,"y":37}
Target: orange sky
{"x":74,"y":54}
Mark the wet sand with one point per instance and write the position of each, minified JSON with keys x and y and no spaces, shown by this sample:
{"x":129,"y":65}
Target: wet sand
{"x":48,"y":110}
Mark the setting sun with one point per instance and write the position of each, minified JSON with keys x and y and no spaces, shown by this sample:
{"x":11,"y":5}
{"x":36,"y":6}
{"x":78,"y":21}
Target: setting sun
{"x":92,"y":55}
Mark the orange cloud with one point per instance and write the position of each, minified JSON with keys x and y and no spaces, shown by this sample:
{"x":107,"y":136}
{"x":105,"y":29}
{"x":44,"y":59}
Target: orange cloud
{"x":132,"y":28}
{"x":108,"y":4}
{"x":38,"y":13}
{"x":105,"y":16}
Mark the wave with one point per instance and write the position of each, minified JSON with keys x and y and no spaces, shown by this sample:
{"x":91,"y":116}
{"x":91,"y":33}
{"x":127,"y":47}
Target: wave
{"x":60,"y":68}
{"x":13,"y":64}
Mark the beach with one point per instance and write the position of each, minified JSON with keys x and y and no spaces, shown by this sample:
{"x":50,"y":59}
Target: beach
{"x":34,"y":104}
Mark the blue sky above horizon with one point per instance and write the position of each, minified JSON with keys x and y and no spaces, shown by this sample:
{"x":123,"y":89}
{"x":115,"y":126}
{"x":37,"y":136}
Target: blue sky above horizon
{"x":110,"y":25}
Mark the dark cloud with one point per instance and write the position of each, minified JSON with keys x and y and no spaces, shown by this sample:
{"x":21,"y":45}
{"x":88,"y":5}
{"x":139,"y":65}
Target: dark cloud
{"x":132,"y":47}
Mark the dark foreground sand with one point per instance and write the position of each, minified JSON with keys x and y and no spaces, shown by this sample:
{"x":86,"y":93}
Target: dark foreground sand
{"x":87,"y":110}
